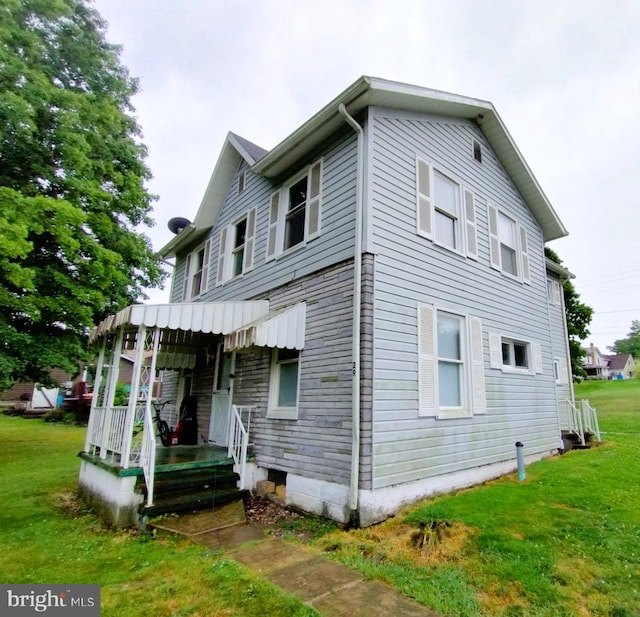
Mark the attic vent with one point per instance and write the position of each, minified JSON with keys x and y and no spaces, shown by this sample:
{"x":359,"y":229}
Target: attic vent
{"x":477,"y":151}
{"x":241,"y":181}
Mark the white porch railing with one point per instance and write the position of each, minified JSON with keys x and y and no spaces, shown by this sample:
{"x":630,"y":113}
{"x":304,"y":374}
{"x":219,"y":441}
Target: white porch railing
{"x":107,"y":434}
{"x":148,"y":453}
{"x":580,"y":418}
{"x":239,"y":439}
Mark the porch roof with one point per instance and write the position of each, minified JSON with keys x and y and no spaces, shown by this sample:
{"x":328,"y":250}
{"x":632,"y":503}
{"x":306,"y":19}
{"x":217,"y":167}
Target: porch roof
{"x":205,"y":317}
{"x":283,"y":328}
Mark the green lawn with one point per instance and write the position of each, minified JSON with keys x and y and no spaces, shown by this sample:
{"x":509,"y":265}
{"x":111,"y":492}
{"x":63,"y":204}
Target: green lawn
{"x":46,"y":538}
{"x":564,"y":542}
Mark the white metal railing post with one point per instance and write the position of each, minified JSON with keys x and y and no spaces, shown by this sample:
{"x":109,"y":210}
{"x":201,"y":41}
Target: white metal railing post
{"x":238,"y":442}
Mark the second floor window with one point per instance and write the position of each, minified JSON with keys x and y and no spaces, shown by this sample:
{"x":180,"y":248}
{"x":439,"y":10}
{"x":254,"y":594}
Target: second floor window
{"x":236,"y":248}
{"x":294,"y":212}
{"x":445,"y":210}
{"x":196,"y":272}
{"x":509,"y":245}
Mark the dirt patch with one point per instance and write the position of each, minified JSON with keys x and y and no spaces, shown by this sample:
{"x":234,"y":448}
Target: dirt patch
{"x":69,"y":504}
{"x":273,"y":518}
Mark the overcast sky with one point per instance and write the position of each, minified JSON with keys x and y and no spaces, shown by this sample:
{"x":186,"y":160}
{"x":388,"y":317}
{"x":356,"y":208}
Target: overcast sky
{"x":564,"y":76}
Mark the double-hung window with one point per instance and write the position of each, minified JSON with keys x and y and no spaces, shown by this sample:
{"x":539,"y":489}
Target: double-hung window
{"x":446,"y":201}
{"x":451,"y":361}
{"x":283,"y":389}
{"x":236,"y":247}
{"x":450,"y":364}
{"x":196,"y":278}
{"x":445,"y":210}
{"x":508,"y":246}
{"x":294,"y":212}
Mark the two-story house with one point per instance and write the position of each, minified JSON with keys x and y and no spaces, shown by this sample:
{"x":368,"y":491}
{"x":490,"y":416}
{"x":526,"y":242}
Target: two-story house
{"x":367,"y":307}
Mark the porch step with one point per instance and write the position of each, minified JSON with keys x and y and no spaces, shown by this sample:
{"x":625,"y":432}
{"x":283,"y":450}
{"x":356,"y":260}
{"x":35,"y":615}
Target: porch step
{"x":191,"y":489}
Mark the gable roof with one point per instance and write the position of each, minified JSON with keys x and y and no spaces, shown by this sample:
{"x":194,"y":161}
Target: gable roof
{"x":234,"y":150}
{"x":619,"y":361}
{"x":369,"y":91}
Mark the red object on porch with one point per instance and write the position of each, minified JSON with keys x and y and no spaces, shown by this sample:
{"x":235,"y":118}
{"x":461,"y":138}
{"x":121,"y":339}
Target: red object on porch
{"x":174,"y":438}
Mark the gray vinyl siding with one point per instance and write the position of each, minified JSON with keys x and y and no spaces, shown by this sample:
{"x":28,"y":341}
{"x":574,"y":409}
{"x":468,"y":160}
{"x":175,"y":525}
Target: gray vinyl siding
{"x":410,"y":270}
{"x":334,"y":244}
{"x":318,"y":443}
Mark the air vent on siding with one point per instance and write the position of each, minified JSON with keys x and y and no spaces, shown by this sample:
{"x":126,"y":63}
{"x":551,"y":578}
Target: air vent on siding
{"x":477,"y":151}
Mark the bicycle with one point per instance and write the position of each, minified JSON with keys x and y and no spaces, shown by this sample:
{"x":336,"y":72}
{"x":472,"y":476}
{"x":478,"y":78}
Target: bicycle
{"x":163,"y":427}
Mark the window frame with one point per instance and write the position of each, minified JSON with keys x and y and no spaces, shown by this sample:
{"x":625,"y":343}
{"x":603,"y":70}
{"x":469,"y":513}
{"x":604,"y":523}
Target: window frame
{"x":472,"y":371}
{"x":189,"y":272}
{"x":461,"y":363}
{"x":465,"y":223}
{"x":512,"y":365}
{"x":521,"y":248}
{"x":274,"y":410}
{"x":280,"y":213}
{"x":227,"y":249}
{"x":533,"y":350}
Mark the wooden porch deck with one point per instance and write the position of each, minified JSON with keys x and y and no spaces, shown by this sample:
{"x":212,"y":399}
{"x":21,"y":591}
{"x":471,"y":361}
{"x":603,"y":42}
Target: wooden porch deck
{"x":172,"y":458}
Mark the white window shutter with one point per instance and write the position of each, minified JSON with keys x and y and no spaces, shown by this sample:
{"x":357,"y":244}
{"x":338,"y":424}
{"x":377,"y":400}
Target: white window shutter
{"x":494,"y":240}
{"x":470,"y":224}
{"x":564,"y":371}
{"x":274,"y":212}
{"x":524,"y":255}
{"x":479,"y":399}
{"x":557,"y":298}
{"x":426,"y":362}
{"x":249,"y":242}
{"x":313,"y":203}
{"x":424,"y":202}
{"x":187,"y":278}
{"x":537,"y":357}
{"x":495,"y":350}
{"x":222,"y":254}
{"x":206,"y":260}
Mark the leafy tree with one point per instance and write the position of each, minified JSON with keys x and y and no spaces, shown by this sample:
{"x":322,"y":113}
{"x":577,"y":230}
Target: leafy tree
{"x":631,"y":344}
{"x":72,"y":186}
{"x":578,"y":316}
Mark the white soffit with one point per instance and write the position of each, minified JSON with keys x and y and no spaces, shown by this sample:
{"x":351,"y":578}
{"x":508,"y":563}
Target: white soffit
{"x":205,"y":317}
{"x":283,"y":328}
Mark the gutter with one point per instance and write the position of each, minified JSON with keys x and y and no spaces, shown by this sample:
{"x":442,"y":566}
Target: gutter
{"x":357,"y":297}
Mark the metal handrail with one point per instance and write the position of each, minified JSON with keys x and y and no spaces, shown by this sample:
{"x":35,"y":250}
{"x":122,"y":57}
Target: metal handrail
{"x":239,"y":441}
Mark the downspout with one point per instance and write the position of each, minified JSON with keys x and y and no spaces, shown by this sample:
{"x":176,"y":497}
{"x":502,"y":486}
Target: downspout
{"x":357,"y":285}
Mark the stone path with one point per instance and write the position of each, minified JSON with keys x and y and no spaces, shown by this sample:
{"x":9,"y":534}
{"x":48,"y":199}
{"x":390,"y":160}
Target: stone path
{"x":330,"y":588}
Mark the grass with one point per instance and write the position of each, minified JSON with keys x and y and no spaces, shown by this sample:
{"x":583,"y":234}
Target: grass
{"x":565,"y":542}
{"x":46,"y":537}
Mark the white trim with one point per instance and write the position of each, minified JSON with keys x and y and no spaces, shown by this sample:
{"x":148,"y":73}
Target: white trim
{"x":273,"y":411}
{"x":279,"y":208}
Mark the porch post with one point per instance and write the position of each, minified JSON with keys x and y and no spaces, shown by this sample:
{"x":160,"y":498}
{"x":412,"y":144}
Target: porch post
{"x":133,"y":396}
{"x":109,"y":393}
{"x":97,"y":383}
{"x":114,"y":369}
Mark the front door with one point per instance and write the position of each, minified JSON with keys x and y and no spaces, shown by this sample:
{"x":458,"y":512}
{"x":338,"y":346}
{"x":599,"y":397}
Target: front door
{"x":220,"y":399}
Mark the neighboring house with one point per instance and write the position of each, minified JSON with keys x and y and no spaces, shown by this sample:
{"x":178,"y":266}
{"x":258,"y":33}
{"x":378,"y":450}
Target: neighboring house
{"x":620,"y":366}
{"x":32,"y":395}
{"x":595,"y":364}
{"x":410,"y":370}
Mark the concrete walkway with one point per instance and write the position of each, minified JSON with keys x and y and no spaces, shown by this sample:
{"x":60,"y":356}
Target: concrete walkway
{"x":330,"y":588}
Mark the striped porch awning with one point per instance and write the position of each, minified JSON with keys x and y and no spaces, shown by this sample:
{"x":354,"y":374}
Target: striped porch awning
{"x":283,"y":328}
